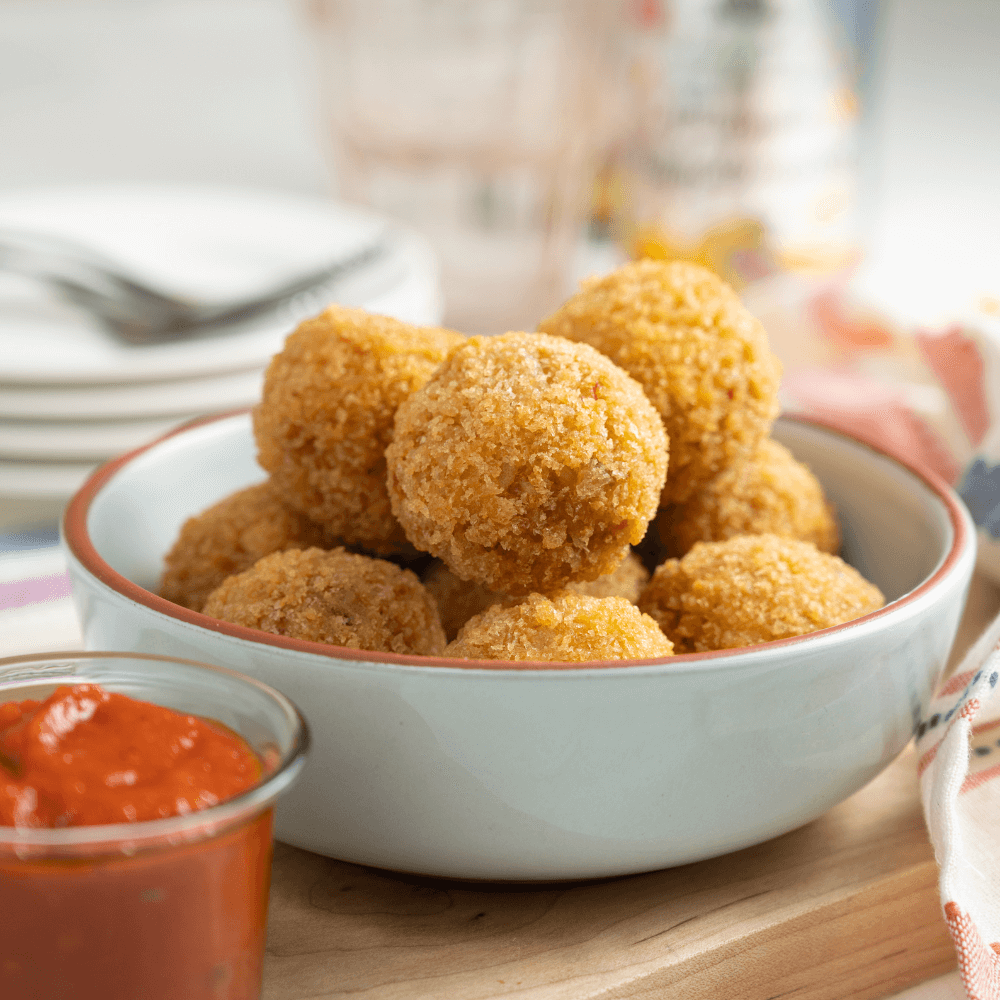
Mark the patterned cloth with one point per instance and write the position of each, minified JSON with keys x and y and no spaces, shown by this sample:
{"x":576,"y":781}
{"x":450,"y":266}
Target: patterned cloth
{"x":959,"y":766}
{"x":932,"y":397}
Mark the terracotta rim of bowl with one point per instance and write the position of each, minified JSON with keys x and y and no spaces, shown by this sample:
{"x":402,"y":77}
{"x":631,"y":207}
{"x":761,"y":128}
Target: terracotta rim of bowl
{"x":78,"y":541}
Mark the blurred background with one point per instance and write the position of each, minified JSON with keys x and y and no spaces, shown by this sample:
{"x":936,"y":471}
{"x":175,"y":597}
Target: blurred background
{"x":836,"y":160}
{"x":833,"y":159}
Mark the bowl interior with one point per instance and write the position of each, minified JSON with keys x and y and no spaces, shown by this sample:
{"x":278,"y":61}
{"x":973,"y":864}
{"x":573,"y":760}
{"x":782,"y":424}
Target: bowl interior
{"x":896,"y":529}
{"x":135,"y":519}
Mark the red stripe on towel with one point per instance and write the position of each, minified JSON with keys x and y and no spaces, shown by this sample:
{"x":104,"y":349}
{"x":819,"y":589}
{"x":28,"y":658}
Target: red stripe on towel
{"x":18,"y":593}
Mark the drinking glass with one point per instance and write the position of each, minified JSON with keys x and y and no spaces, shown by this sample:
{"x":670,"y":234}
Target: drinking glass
{"x":480,"y":124}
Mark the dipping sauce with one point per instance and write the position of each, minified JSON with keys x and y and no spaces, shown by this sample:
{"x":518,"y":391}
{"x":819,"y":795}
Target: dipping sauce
{"x":177,"y":917}
{"x":86,"y":756}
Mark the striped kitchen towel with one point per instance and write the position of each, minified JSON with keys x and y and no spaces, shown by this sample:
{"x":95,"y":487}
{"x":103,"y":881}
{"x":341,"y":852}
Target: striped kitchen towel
{"x":958,"y":744}
{"x":36,"y":610}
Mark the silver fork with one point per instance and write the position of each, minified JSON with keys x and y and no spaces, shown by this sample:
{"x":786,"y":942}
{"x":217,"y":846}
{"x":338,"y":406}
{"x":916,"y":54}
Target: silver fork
{"x":141,"y":314}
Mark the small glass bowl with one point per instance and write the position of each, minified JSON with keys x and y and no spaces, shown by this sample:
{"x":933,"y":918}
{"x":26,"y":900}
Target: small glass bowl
{"x":162,"y":909}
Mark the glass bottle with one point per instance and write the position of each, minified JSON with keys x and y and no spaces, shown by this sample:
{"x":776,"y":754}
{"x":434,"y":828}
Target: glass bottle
{"x":744,"y":146}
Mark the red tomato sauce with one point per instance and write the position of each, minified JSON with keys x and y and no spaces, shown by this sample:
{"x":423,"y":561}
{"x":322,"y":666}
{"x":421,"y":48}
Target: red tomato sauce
{"x":176,"y":921}
{"x":86,"y":756}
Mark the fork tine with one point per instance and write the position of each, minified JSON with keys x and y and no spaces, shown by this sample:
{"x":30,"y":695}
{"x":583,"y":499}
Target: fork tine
{"x":138,"y":313}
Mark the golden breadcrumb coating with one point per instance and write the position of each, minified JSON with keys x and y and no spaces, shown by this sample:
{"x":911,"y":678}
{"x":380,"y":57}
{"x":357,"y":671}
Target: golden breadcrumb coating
{"x":702,"y":358}
{"x":231,"y":536}
{"x":626,"y":580}
{"x":567,"y":627}
{"x":458,"y":600}
{"x":770,"y":493}
{"x":326,"y":415}
{"x":751,"y":589}
{"x":526,"y":462}
{"x":334,"y":597}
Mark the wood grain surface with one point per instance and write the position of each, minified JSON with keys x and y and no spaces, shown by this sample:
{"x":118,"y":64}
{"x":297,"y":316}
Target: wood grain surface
{"x":846,"y":906}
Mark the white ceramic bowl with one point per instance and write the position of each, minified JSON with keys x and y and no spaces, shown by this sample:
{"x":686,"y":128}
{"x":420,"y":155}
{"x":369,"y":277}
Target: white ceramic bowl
{"x":540,"y":771}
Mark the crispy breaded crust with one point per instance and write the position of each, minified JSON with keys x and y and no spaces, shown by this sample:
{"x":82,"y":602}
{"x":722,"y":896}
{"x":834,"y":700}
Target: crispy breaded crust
{"x":326,"y":416}
{"x":751,"y":589}
{"x":334,"y":597}
{"x":458,"y":600}
{"x":702,"y":358}
{"x":526,"y":462}
{"x":229,"y":537}
{"x":626,"y":580}
{"x":770,"y":493}
{"x":567,"y":627}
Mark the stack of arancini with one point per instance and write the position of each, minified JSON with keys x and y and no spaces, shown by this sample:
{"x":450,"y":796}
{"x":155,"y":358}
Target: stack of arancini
{"x":527,"y":465}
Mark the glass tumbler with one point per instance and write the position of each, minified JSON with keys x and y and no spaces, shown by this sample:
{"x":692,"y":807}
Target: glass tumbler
{"x":481,"y":125}
{"x":167,"y":909}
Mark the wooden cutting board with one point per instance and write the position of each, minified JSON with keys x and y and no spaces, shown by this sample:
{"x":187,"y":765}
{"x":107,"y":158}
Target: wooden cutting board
{"x":846,"y":906}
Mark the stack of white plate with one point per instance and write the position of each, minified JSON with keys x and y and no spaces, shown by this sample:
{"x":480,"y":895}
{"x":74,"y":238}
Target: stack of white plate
{"x":72,"y":395}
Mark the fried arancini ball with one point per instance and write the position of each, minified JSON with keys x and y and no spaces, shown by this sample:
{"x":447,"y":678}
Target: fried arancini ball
{"x":702,"y":358}
{"x":326,"y":415}
{"x":770,"y":493}
{"x":458,"y":600}
{"x":626,"y":580}
{"x":526,"y":462}
{"x":567,"y":627}
{"x":335,"y":597}
{"x":229,"y":537}
{"x":751,"y":589}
